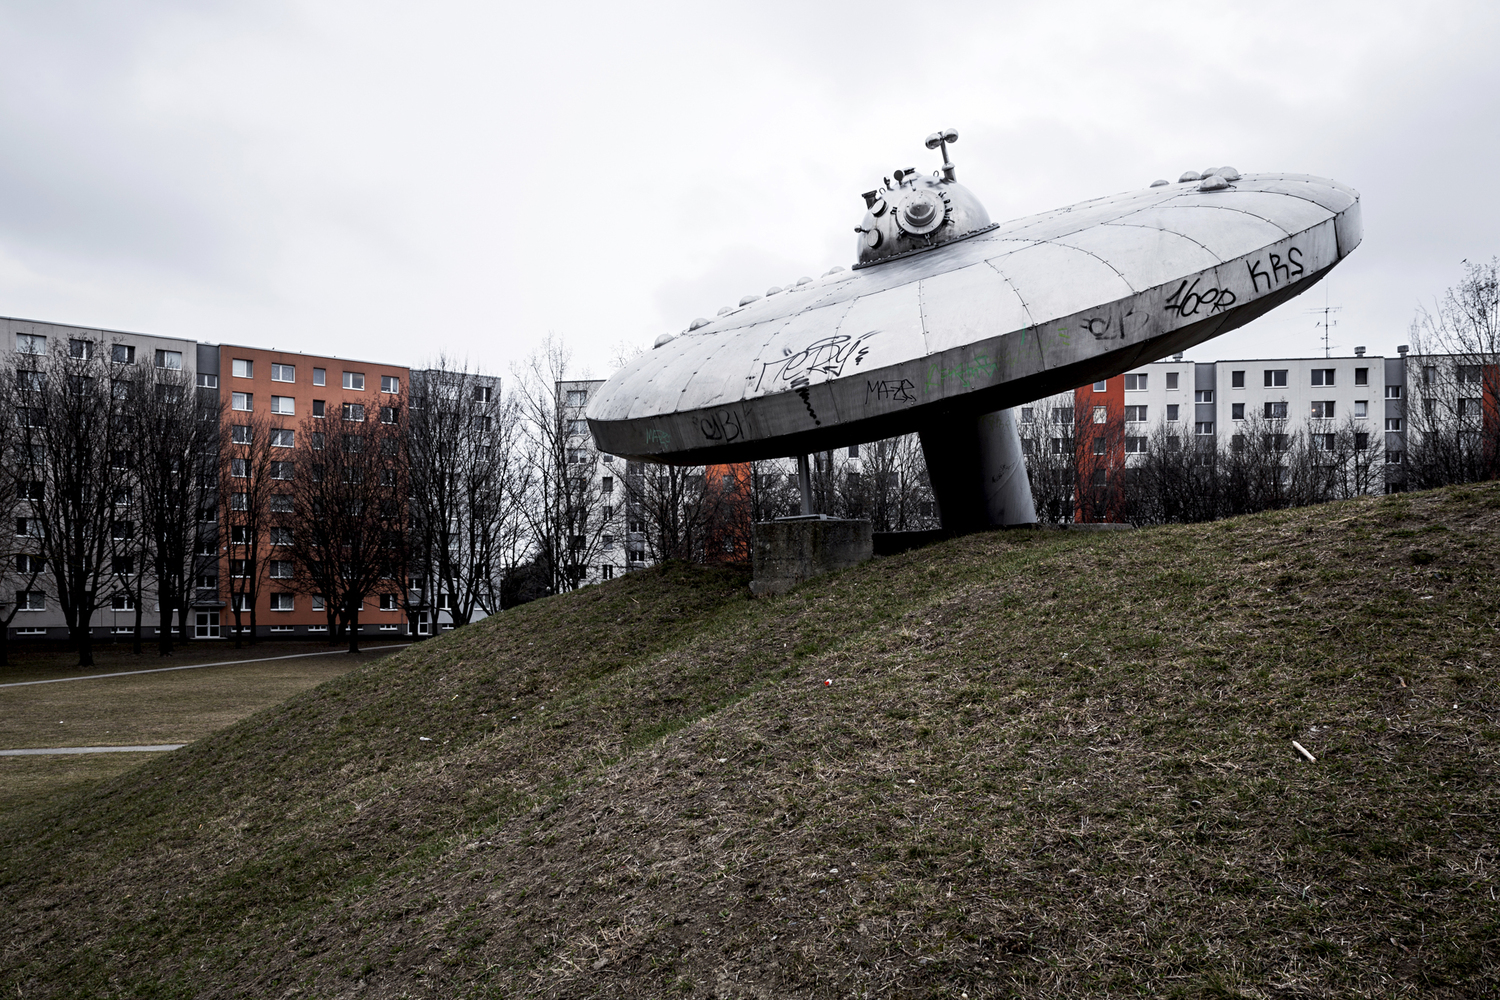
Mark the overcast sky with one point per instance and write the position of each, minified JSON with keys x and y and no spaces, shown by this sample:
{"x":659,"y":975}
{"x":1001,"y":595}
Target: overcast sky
{"x":387,"y":181}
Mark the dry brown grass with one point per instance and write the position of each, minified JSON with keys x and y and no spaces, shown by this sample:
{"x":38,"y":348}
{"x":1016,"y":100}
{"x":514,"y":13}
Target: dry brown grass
{"x":1047,"y":766}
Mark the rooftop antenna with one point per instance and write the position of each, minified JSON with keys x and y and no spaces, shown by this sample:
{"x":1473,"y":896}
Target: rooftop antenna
{"x":1326,"y":323}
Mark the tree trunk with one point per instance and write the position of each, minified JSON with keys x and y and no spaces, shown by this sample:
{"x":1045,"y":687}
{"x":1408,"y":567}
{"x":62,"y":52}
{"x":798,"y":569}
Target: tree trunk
{"x":164,"y":643}
{"x":139,"y":615}
{"x":354,"y":629}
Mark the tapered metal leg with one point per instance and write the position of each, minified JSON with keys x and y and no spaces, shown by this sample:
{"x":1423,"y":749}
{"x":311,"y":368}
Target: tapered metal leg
{"x":804,"y":481}
{"x":978,"y":472}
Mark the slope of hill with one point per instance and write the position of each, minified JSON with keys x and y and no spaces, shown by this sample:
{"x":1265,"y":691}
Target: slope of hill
{"x":1047,"y":764}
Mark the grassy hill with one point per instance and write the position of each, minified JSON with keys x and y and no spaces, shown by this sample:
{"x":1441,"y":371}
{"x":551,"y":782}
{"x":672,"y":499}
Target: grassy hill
{"x":1047,"y":764}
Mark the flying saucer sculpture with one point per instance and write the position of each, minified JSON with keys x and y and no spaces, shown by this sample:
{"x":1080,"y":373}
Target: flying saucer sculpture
{"x":948,"y":319}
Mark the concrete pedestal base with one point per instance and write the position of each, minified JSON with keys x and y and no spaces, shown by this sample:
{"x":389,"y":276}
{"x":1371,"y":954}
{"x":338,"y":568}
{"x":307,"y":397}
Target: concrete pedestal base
{"x":788,"y":551}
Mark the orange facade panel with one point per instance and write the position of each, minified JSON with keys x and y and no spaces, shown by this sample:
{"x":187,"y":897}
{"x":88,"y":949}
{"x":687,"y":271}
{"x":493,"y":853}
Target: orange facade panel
{"x":289,"y":391}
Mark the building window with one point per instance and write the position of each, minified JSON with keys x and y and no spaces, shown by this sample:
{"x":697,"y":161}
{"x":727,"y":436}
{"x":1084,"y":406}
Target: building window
{"x":239,"y":602}
{"x":354,"y":380}
{"x":1171,"y":380}
{"x":240,"y":434}
{"x":1098,"y":448}
{"x":281,"y":470}
{"x":122,"y":602}
{"x":239,"y":501}
{"x":1028,"y":415}
{"x":1203,"y":427}
{"x":1392,"y":458}
{"x":389,"y":383}
{"x":1062,"y":445}
{"x":1322,"y":409}
{"x":285,"y":406}
{"x":607,"y":572}
{"x":29,"y":564}
{"x":1361,"y":440}
{"x":1361,"y":408}
{"x":388,"y":415}
{"x":1468,"y":406}
{"x":239,"y":468}
{"x":1135,"y":383}
{"x":281,"y":503}
{"x":1172,"y":412}
{"x":281,"y":536}
{"x":283,"y":437}
{"x":1468,"y":374}
{"x":318,"y":603}
{"x":170,"y":360}
{"x":1275,"y":377}
{"x":122,"y":354}
{"x":1236,"y":411}
{"x":1237,"y":442}
{"x":1323,"y":442}
{"x":242,"y":368}
{"x":315,"y":440}
{"x":239,"y":534}
{"x":318,"y":409}
{"x":388,"y":603}
{"x":577,"y":397}
{"x":577,"y":456}
{"x":1237,"y":380}
{"x":242,"y":401}
{"x":281,"y":569}
{"x":1393,"y":423}
{"x":81,"y":349}
{"x":1322,"y":376}
{"x":31,"y":600}
{"x":239,"y":569}
{"x":320,"y":376}
{"x":208,"y":381}
{"x":1393,"y":392}
{"x":31,"y":343}
{"x":1275,"y":411}
{"x":1135,"y":414}
{"x":354,"y":411}
{"x":1361,"y":376}
{"x":1100,"y":386}
{"x":1203,"y":396}
{"x":1135,"y":445}
{"x":283,"y":373}
{"x":1100,"y":414}
{"x":607,"y":484}
{"x":1062,"y":415}
{"x":482,"y":394}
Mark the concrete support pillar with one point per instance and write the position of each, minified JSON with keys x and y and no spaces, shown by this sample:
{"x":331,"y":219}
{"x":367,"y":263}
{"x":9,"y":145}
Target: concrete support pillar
{"x":978,"y":472}
{"x":804,"y":481}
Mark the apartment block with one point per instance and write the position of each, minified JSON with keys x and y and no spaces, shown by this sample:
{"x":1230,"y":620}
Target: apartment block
{"x":122,"y":355}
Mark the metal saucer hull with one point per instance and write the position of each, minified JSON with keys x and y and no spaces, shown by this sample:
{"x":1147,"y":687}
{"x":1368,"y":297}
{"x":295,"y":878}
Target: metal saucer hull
{"x":1036,"y":306}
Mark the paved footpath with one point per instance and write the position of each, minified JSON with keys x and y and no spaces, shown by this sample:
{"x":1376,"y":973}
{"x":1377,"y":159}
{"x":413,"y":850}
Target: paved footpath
{"x":196,"y":666}
{"x":27,"y":753}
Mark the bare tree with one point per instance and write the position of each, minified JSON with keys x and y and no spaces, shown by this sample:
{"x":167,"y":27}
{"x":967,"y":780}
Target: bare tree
{"x":565,"y":502}
{"x":465,"y":499}
{"x":347,"y":500}
{"x":70,"y":428}
{"x":176,"y":443}
{"x":21,"y":561}
{"x":1048,"y":441}
{"x":1454,"y":430}
{"x":249,"y":470}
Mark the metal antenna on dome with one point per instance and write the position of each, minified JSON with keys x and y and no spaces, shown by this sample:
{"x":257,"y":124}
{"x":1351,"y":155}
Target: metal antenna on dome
{"x":940,"y":140}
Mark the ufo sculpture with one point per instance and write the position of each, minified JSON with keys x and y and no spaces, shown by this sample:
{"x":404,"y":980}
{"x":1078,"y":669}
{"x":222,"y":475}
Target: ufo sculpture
{"x":948,"y":320}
